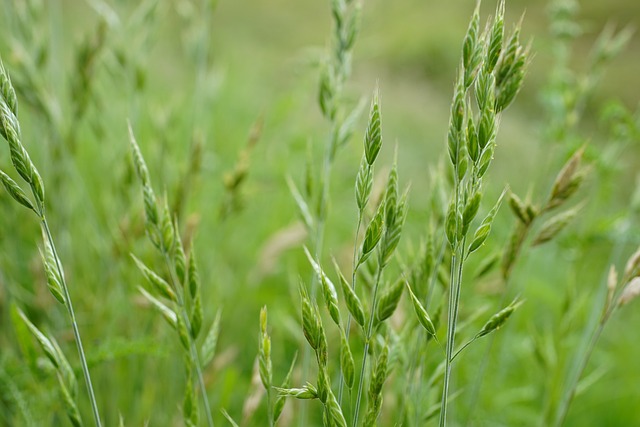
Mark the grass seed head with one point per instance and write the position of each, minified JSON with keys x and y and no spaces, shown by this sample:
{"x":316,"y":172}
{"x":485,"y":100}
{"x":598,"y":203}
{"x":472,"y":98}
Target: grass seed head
{"x":389,"y":300}
{"x":373,"y":135}
{"x":497,"y":320}
{"x":351,"y":299}
{"x":632,"y":268}
{"x":15,"y":191}
{"x":347,"y":365}
{"x":630,"y":292}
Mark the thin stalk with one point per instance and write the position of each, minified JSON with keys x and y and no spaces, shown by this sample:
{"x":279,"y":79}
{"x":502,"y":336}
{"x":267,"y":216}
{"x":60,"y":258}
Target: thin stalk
{"x":354,"y":276}
{"x":321,"y":217}
{"x":270,"y":408}
{"x":570,"y":393}
{"x":411,"y":385}
{"x":192,"y":347}
{"x":367,"y":343}
{"x":450,"y":338}
{"x":72,"y":316}
{"x":457,"y":259}
{"x":568,"y":398}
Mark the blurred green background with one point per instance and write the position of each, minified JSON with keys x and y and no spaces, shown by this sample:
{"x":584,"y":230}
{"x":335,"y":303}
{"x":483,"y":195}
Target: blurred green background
{"x":193,"y":75}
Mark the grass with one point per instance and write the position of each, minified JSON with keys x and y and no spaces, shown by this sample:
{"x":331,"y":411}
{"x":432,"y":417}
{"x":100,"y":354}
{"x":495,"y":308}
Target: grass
{"x":231,"y":111}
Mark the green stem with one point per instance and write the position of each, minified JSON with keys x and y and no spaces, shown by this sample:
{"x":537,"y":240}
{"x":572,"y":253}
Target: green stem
{"x":270,"y":408}
{"x":192,"y":347}
{"x":367,"y":343}
{"x":354,"y":276}
{"x":72,"y":316}
{"x":571,"y":391}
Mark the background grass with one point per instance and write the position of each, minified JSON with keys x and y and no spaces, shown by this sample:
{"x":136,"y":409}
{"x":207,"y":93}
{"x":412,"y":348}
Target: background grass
{"x":261,"y":61}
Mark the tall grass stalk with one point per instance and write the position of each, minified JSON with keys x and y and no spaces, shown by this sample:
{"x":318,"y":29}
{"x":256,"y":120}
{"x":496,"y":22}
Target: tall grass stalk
{"x":185,"y":319}
{"x":10,"y":130}
{"x":619,"y":293}
{"x":335,"y":72}
{"x":494,"y":65}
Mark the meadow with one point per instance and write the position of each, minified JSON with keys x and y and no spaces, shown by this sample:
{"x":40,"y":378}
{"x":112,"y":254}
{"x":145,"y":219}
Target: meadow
{"x":319,"y":213}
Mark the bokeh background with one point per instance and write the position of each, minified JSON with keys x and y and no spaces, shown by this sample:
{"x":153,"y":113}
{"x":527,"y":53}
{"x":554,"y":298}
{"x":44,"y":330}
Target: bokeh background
{"x":214,"y":90}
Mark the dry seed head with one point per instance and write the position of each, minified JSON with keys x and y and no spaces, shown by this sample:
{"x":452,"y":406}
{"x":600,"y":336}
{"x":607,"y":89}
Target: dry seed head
{"x":519,"y":208}
{"x":632,"y":268}
{"x":630,"y":292}
{"x":612,"y":284}
{"x":554,"y":225}
{"x":567,"y":180}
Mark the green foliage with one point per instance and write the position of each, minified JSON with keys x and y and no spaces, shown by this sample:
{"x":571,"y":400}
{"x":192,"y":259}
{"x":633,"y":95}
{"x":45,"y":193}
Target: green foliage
{"x":231,"y":106}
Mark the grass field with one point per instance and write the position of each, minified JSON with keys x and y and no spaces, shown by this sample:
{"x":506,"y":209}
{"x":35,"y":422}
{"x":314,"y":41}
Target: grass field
{"x":222,"y":99}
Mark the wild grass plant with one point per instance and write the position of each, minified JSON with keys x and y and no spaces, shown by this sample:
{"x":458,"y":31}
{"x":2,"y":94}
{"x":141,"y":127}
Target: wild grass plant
{"x":328,"y":261}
